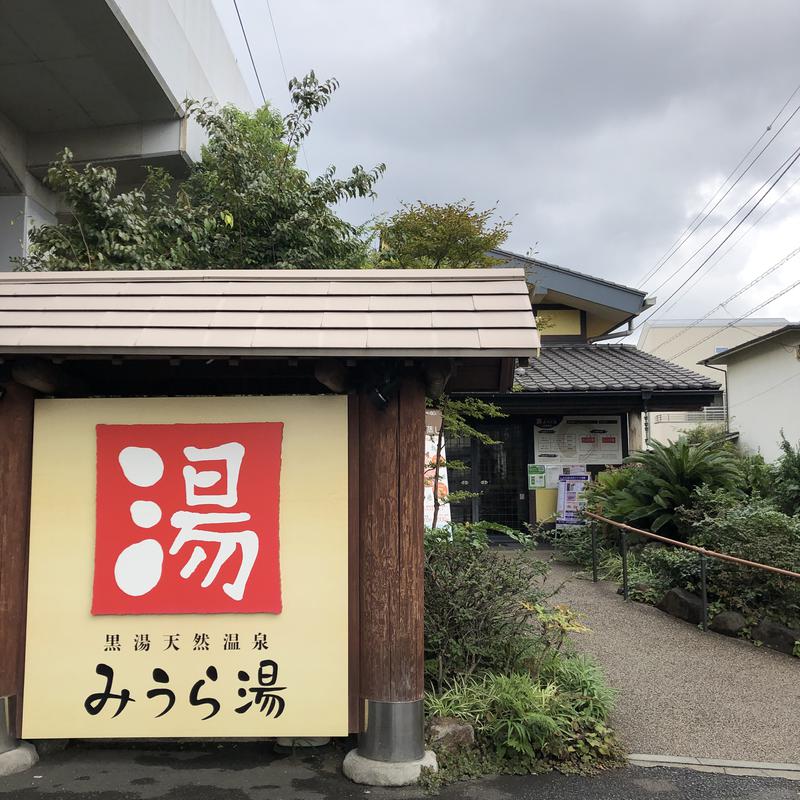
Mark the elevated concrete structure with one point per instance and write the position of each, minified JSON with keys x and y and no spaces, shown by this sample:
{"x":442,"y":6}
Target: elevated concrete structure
{"x":106,"y":78}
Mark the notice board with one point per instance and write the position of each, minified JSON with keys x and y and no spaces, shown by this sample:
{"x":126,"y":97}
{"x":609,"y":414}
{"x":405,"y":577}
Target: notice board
{"x":188,"y":568}
{"x":578,"y":439}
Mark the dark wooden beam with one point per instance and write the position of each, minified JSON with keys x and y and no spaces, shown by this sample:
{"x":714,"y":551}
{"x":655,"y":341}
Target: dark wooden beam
{"x":46,"y":376}
{"x":391,"y":447}
{"x":16,"y":447}
{"x":408,"y":647}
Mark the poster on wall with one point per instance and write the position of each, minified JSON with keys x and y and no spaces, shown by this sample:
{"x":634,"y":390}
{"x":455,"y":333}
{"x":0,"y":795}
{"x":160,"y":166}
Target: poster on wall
{"x":536,"y":476}
{"x":571,"y":500}
{"x":179,"y":574}
{"x":572,"y":439}
{"x":433,"y":420}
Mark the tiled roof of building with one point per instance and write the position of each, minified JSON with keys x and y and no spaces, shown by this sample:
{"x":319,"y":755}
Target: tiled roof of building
{"x":425,"y":313}
{"x":606,"y":368}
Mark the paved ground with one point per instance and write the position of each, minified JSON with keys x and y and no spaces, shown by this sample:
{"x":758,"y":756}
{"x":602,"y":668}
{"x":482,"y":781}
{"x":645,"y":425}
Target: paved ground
{"x":252,"y":772}
{"x":684,"y":692}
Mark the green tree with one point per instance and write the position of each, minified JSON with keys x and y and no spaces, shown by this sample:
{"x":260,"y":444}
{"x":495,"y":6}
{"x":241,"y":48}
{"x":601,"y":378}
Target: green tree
{"x":450,"y":235}
{"x":426,"y":235}
{"x":246,"y":204}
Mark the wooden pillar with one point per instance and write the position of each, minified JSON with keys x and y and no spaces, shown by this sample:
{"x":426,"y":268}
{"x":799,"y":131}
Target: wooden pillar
{"x":16,"y":446}
{"x":391,"y":457}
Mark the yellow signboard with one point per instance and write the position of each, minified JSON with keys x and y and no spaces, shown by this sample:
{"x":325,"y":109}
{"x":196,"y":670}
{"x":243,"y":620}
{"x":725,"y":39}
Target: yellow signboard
{"x":188,"y":568}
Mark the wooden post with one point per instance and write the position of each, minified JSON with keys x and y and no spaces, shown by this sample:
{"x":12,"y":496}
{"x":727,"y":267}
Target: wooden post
{"x":391,"y":460}
{"x":16,"y":446}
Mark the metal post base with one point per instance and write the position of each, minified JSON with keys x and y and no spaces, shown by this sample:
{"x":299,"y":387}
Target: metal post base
{"x":7,"y":741}
{"x":15,"y":756}
{"x":395,"y":731}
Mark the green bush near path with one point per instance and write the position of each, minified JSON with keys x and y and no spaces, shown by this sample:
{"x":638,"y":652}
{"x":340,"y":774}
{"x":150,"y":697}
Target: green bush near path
{"x":702,"y":491}
{"x":498,"y":658}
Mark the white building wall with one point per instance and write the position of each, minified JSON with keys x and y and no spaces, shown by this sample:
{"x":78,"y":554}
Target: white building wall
{"x":668,"y":339}
{"x":764,"y":395}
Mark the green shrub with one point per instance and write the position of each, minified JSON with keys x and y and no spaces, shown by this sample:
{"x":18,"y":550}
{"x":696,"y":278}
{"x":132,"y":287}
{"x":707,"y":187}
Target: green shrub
{"x":787,"y":478}
{"x":478,"y":605}
{"x":516,"y":714}
{"x":512,"y":712}
{"x":496,"y":658}
{"x":758,"y":477}
{"x":666,"y":481}
{"x":607,"y":484}
{"x":716,"y":434}
{"x":755,"y":531}
{"x":574,"y":544}
{"x":672,"y":566}
{"x":583,"y":682}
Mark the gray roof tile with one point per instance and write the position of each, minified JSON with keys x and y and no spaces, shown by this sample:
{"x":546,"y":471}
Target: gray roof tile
{"x":606,"y":368}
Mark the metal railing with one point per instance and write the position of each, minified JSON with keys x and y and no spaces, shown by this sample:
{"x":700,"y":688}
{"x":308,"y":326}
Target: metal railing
{"x":702,"y":553}
{"x":708,"y":414}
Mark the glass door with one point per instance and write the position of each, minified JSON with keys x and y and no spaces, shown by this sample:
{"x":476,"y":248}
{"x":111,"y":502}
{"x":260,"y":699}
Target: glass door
{"x":496,"y":472}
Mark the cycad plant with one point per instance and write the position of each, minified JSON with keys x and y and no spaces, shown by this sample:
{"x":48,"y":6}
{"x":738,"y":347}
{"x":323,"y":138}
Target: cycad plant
{"x":667,"y":476}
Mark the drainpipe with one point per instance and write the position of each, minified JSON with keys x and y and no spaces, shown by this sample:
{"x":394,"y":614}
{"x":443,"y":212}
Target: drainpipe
{"x":725,"y":396}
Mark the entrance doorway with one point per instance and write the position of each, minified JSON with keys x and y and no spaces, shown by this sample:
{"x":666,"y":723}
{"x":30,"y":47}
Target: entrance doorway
{"x":497,"y":473}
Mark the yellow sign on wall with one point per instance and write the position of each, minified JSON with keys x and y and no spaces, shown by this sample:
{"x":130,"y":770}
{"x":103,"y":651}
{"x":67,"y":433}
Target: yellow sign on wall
{"x":188,"y":568}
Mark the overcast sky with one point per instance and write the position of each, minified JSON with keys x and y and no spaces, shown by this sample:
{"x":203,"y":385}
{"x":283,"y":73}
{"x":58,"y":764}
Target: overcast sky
{"x":601,"y":128}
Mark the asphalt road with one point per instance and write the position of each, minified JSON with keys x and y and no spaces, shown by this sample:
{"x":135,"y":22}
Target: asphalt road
{"x":251,"y":771}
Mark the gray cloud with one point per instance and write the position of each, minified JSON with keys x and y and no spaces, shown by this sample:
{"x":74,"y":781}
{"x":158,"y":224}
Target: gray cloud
{"x":598,"y":126}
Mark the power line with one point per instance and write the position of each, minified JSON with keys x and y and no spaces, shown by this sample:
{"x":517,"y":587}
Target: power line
{"x":791,"y":161}
{"x":250,"y":52}
{"x":730,"y":299}
{"x":727,"y":222}
{"x":736,"y":321}
{"x":692,"y":227}
{"x":280,"y":57}
{"x":733,"y":246}
{"x":285,"y":73}
{"x":277,"y":43}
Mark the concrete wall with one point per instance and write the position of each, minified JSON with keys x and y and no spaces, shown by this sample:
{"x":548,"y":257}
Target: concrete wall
{"x":170,"y":50}
{"x":700,"y":342}
{"x":763,"y":392}
{"x":655,"y":338}
{"x":12,"y":228}
{"x":185,"y":44}
{"x":18,"y":214}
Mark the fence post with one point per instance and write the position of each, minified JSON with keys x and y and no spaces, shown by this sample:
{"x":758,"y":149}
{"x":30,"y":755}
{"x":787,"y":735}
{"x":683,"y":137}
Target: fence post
{"x":624,"y":565}
{"x":704,"y":590}
{"x":594,"y":551}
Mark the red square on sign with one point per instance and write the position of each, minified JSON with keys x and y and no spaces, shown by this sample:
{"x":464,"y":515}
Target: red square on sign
{"x":187,"y":519}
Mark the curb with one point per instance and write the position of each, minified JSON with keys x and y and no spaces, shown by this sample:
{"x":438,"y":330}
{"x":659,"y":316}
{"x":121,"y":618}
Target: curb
{"x":759,"y":769}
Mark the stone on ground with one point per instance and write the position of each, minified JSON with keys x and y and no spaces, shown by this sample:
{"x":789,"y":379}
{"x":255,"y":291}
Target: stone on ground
{"x":776,"y":636}
{"x":728,"y":623}
{"x":683,"y":605}
{"x":449,"y":733}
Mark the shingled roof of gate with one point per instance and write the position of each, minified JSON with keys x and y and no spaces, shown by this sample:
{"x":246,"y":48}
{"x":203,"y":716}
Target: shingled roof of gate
{"x":426,"y":312}
{"x":606,"y":368}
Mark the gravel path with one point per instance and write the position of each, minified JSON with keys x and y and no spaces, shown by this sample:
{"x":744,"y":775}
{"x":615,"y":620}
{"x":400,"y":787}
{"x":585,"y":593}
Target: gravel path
{"x":683,"y":692}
